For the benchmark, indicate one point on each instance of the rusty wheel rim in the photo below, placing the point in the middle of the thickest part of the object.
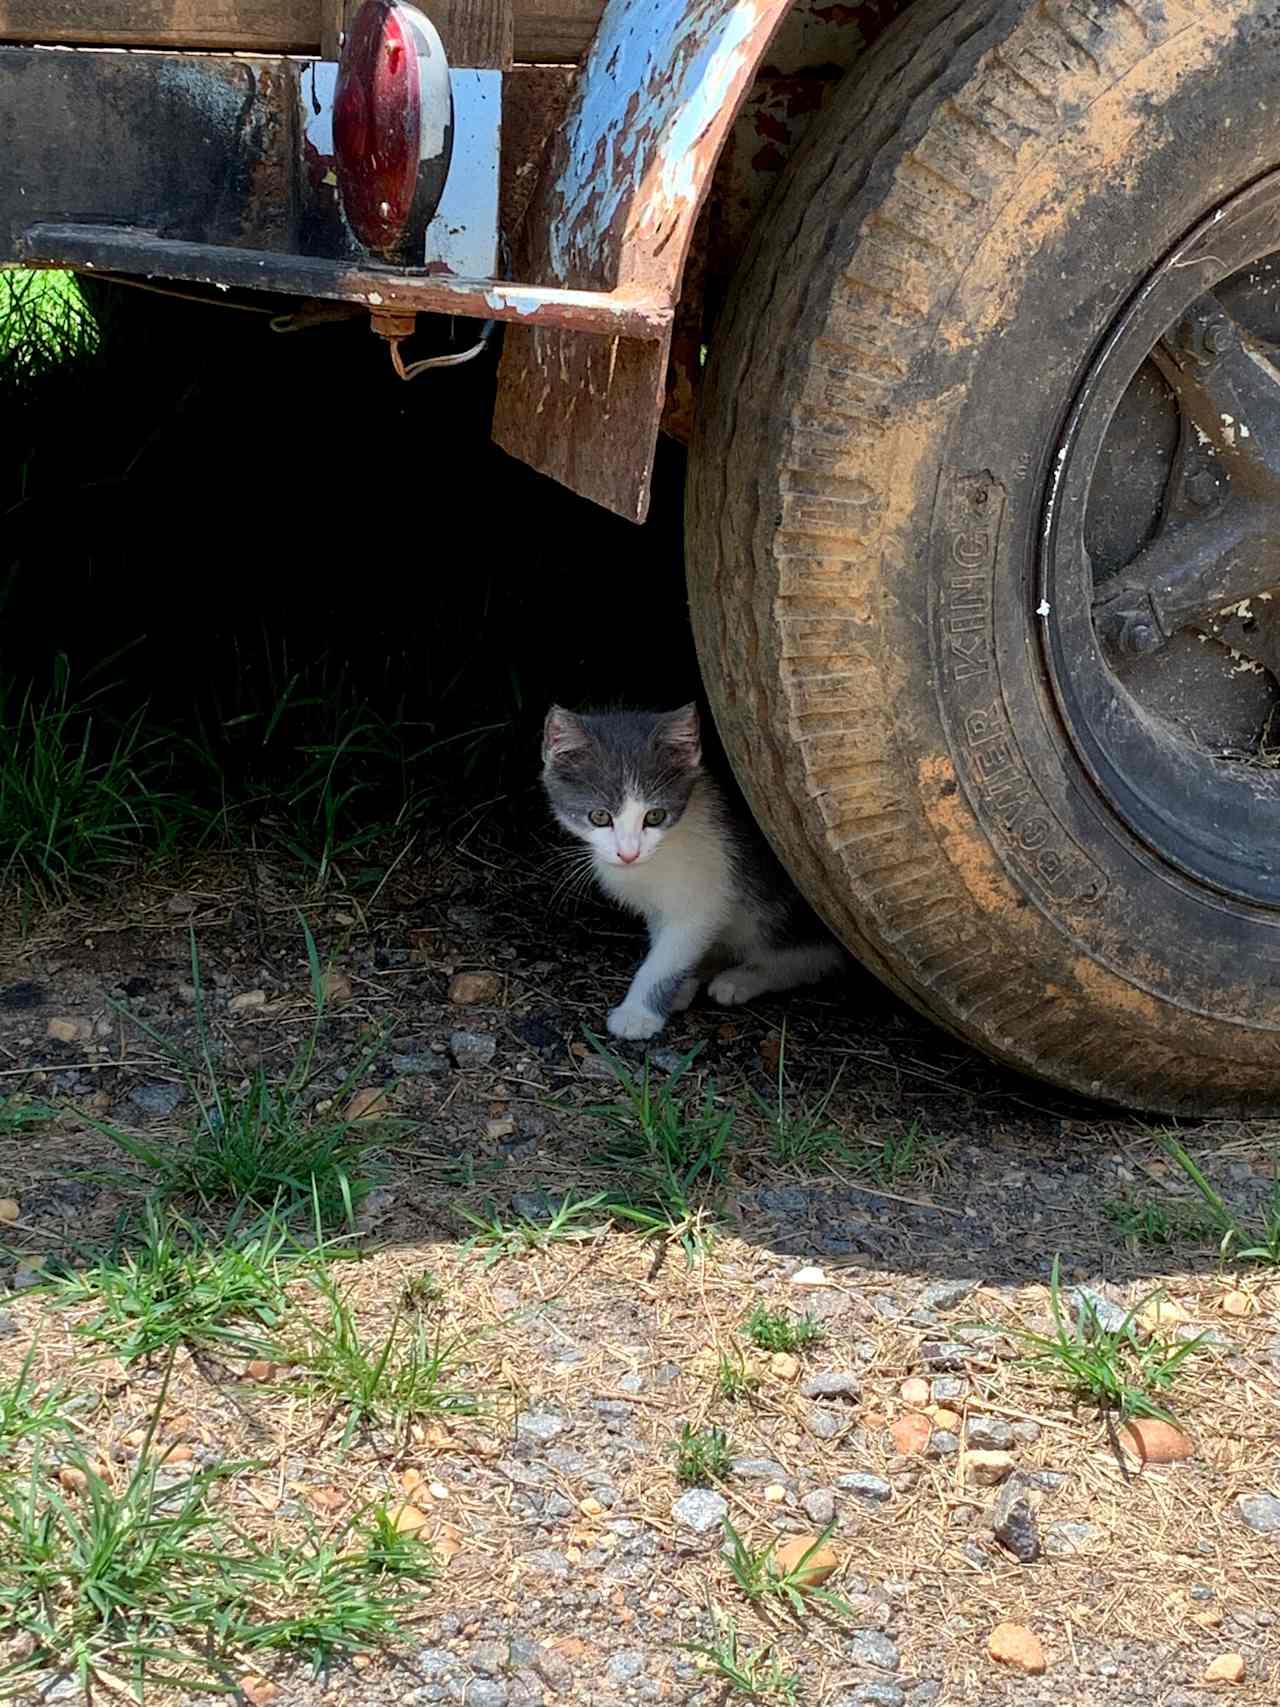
(1158, 594)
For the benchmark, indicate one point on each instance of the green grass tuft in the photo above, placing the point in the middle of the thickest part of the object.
(1114, 1368)
(172, 1286)
(702, 1456)
(779, 1330)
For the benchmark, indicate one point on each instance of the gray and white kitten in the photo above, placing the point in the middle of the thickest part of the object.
(664, 841)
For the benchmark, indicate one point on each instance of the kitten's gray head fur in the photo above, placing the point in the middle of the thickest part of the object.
(621, 780)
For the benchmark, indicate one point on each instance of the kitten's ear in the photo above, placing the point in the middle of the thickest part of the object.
(561, 733)
(680, 733)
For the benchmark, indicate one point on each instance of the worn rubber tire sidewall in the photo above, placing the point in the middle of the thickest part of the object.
(885, 393)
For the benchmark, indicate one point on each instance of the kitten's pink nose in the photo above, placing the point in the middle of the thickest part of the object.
(628, 858)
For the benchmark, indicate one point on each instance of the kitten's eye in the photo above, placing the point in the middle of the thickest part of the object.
(659, 815)
(600, 818)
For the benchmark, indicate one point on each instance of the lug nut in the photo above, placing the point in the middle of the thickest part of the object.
(1201, 488)
(1217, 337)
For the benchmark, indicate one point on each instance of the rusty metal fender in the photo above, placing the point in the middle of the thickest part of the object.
(615, 210)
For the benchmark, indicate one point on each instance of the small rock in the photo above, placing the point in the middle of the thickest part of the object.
(946, 1294)
(987, 1469)
(945, 1354)
(758, 1470)
(1238, 1304)
(988, 1434)
(548, 1562)
(486, 1692)
(1013, 1523)
(368, 1104)
(624, 1668)
(942, 1443)
(667, 1060)
(495, 1129)
(472, 1048)
(701, 1509)
(410, 1519)
(466, 988)
(246, 1001)
(258, 1369)
(819, 1506)
(1015, 1645)
(158, 1100)
(866, 1487)
(925, 1694)
(27, 1275)
(809, 1277)
(66, 1030)
(879, 1695)
(1154, 1441)
(1064, 1540)
(8, 1327)
(824, 1423)
(873, 1648)
(948, 1389)
(1110, 1317)
(1227, 1668)
(819, 1561)
(542, 1426)
(915, 1392)
(335, 986)
(1026, 1432)
(773, 1493)
(784, 1366)
(554, 1670)
(418, 1061)
(10, 1209)
(831, 1384)
(911, 1433)
(1260, 1511)
(258, 1691)
(941, 1417)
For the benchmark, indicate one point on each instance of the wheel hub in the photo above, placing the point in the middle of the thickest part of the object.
(1160, 568)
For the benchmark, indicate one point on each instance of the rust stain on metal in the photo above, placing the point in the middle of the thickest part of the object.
(615, 210)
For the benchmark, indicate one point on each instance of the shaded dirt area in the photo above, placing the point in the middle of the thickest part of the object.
(922, 1245)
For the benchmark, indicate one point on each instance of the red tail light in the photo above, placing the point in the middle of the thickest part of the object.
(392, 128)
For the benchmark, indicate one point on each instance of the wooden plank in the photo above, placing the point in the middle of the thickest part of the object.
(477, 33)
(554, 32)
(256, 26)
(550, 32)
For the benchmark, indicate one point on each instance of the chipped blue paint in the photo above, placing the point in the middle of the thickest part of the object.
(658, 74)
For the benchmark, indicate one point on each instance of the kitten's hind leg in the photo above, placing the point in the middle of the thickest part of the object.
(778, 969)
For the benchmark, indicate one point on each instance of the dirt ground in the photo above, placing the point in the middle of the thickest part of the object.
(570, 1571)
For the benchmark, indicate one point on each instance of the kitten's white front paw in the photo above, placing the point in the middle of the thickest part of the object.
(739, 984)
(634, 1022)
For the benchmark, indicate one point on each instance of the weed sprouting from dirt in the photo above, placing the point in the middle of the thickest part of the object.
(672, 1140)
(703, 1456)
(1145, 1224)
(762, 1578)
(260, 1144)
(1238, 1242)
(1115, 1368)
(898, 1156)
(406, 1375)
(756, 1674)
(735, 1378)
(75, 796)
(172, 1285)
(573, 1220)
(779, 1330)
(800, 1135)
(25, 1412)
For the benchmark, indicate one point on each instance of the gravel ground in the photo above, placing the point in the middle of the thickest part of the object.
(966, 1490)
